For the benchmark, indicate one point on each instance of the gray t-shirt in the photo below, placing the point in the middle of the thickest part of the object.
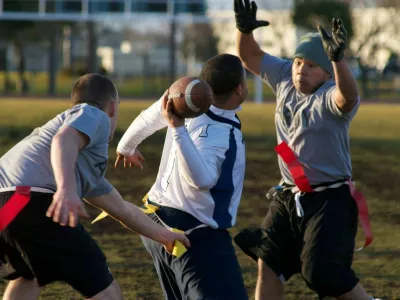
(28, 163)
(312, 125)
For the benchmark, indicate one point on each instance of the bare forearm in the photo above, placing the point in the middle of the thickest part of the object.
(246, 22)
(347, 89)
(139, 222)
(247, 46)
(64, 154)
(345, 80)
(129, 216)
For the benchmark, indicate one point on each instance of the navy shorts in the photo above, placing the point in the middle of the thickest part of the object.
(209, 270)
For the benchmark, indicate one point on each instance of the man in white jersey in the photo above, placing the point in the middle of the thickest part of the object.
(198, 186)
(48, 173)
(312, 232)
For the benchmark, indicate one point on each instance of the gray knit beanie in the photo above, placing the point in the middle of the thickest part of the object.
(311, 48)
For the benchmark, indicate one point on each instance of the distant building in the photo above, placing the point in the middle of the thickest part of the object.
(280, 38)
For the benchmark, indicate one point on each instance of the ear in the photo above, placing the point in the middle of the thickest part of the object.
(239, 89)
(111, 109)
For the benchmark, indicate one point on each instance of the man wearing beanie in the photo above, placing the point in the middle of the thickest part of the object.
(311, 224)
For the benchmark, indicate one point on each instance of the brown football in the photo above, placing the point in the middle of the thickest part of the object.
(191, 97)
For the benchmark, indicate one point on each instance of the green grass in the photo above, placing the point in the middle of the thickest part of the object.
(138, 86)
(375, 148)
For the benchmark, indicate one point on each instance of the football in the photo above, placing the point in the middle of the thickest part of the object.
(191, 97)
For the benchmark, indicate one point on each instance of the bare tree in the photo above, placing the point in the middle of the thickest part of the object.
(201, 39)
(389, 3)
(278, 32)
(377, 31)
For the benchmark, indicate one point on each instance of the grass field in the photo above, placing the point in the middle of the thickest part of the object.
(139, 87)
(375, 148)
(129, 87)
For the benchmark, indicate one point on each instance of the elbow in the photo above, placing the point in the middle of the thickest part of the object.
(352, 98)
(246, 58)
(356, 95)
(57, 139)
(248, 66)
(204, 184)
(58, 144)
(352, 95)
(243, 53)
(247, 54)
(348, 104)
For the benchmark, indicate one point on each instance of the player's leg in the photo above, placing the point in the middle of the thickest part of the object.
(22, 289)
(161, 263)
(22, 283)
(113, 291)
(357, 293)
(274, 246)
(329, 241)
(269, 286)
(83, 267)
(209, 269)
(166, 276)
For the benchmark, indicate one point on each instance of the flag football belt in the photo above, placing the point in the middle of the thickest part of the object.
(303, 185)
(152, 208)
(14, 205)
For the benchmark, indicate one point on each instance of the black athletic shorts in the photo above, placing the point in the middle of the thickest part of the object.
(36, 247)
(320, 245)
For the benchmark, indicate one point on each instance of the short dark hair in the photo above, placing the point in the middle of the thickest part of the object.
(94, 89)
(223, 73)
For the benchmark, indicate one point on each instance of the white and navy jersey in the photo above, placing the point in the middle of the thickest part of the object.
(202, 165)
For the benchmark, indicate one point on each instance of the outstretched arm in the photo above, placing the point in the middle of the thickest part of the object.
(346, 95)
(248, 49)
(134, 219)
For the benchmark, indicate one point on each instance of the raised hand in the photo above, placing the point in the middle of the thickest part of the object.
(336, 43)
(172, 119)
(245, 16)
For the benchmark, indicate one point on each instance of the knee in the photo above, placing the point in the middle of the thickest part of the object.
(112, 292)
(22, 288)
(266, 274)
(24, 283)
(115, 291)
(329, 281)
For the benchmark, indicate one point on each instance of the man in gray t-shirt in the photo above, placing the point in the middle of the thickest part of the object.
(49, 173)
(29, 162)
(309, 229)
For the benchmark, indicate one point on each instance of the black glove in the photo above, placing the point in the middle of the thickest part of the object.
(336, 44)
(245, 16)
